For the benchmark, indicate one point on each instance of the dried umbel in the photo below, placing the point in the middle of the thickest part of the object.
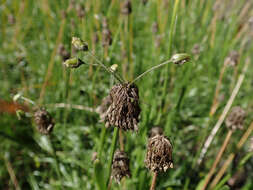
(159, 154)
(125, 109)
(120, 166)
(43, 121)
(127, 7)
(236, 118)
(232, 59)
(155, 131)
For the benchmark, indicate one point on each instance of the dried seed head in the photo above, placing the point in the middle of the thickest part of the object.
(120, 166)
(80, 10)
(43, 121)
(233, 59)
(79, 44)
(11, 19)
(127, 7)
(180, 58)
(63, 52)
(155, 28)
(236, 118)
(144, 2)
(159, 154)
(196, 49)
(106, 34)
(125, 109)
(73, 62)
(155, 131)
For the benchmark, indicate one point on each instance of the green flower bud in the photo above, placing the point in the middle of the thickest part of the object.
(180, 58)
(73, 62)
(79, 44)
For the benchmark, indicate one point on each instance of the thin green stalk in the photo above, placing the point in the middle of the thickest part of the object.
(151, 69)
(66, 95)
(102, 138)
(113, 146)
(106, 68)
(172, 28)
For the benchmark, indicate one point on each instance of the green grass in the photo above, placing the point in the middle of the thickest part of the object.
(177, 98)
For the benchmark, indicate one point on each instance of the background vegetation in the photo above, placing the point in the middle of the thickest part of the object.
(177, 98)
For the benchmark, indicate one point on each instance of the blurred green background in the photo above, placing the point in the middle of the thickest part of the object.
(186, 101)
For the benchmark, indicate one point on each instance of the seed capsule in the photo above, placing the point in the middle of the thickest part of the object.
(73, 62)
(180, 58)
(79, 44)
(236, 118)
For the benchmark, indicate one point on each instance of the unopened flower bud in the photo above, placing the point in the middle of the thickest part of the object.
(180, 58)
(73, 62)
(79, 44)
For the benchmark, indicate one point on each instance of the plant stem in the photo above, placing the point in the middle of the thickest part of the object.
(172, 28)
(224, 113)
(152, 187)
(232, 156)
(121, 140)
(102, 137)
(218, 157)
(151, 69)
(106, 68)
(113, 146)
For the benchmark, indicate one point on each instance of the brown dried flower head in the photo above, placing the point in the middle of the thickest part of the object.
(80, 10)
(43, 121)
(159, 154)
(233, 59)
(155, 131)
(124, 110)
(236, 118)
(120, 166)
(127, 7)
(63, 52)
(106, 34)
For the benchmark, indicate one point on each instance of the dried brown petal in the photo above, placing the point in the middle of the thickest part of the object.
(43, 121)
(236, 118)
(120, 166)
(125, 109)
(159, 154)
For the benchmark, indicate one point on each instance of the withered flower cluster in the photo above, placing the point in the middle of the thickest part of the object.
(125, 109)
(236, 118)
(120, 166)
(43, 121)
(159, 154)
